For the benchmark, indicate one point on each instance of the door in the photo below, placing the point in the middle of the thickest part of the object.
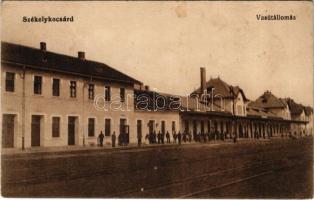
(163, 127)
(124, 131)
(8, 131)
(151, 126)
(35, 131)
(71, 130)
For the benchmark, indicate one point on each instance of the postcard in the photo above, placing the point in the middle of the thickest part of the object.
(157, 99)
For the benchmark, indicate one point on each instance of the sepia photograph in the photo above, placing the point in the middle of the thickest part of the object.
(157, 99)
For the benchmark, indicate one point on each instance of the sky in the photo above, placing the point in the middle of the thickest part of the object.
(164, 44)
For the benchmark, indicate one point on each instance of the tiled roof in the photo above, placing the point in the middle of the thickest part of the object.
(308, 110)
(193, 104)
(54, 62)
(295, 108)
(268, 100)
(260, 112)
(222, 88)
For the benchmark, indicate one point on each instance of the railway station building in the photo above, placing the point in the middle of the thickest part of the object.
(50, 99)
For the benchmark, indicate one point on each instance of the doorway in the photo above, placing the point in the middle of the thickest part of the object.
(71, 130)
(8, 131)
(35, 130)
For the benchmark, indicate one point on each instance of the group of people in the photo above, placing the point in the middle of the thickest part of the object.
(158, 138)
(122, 139)
(162, 137)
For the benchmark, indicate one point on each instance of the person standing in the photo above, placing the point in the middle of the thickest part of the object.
(168, 137)
(159, 137)
(175, 137)
(101, 138)
(190, 137)
(154, 137)
(113, 139)
(139, 139)
(179, 137)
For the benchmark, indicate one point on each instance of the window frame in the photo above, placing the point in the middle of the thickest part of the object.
(91, 127)
(107, 132)
(73, 89)
(91, 91)
(12, 81)
(122, 95)
(107, 93)
(53, 133)
(38, 85)
(56, 89)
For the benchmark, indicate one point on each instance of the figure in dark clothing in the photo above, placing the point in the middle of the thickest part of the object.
(168, 137)
(184, 137)
(139, 139)
(159, 137)
(113, 139)
(234, 138)
(154, 137)
(150, 138)
(179, 137)
(205, 135)
(175, 137)
(119, 139)
(190, 137)
(147, 137)
(101, 138)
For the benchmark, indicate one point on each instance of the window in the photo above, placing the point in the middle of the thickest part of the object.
(73, 89)
(9, 82)
(151, 125)
(163, 127)
(55, 126)
(107, 127)
(122, 94)
(91, 127)
(173, 126)
(91, 91)
(37, 84)
(139, 127)
(107, 93)
(56, 87)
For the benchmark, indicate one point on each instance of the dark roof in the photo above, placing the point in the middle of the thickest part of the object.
(268, 100)
(308, 110)
(295, 108)
(255, 111)
(222, 88)
(49, 61)
(147, 100)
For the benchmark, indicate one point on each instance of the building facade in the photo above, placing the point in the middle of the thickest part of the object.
(49, 99)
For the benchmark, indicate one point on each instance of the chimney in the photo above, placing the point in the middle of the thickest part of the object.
(81, 55)
(203, 79)
(146, 87)
(43, 46)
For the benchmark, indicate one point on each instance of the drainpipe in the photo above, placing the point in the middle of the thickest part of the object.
(23, 110)
(83, 117)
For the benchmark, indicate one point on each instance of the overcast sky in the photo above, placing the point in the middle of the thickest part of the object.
(163, 44)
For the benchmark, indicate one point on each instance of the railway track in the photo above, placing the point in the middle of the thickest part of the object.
(35, 175)
(160, 190)
(214, 170)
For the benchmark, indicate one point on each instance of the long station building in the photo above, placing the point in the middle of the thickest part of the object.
(50, 99)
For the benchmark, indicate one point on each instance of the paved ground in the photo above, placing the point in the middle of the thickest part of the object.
(254, 169)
